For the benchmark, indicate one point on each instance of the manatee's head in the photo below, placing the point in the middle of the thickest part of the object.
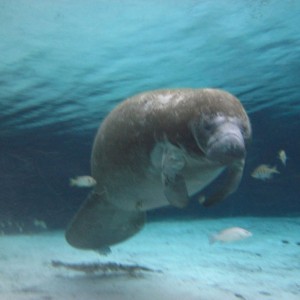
(222, 138)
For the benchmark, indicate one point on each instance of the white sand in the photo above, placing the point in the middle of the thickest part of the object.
(260, 267)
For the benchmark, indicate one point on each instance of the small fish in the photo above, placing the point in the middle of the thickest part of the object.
(282, 156)
(40, 223)
(201, 199)
(264, 172)
(83, 181)
(230, 235)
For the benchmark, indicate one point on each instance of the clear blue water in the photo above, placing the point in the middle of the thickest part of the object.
(65, 64)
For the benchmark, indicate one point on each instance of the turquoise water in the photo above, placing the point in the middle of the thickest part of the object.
(65, 64)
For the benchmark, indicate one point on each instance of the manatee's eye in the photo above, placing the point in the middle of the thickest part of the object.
(209, 126)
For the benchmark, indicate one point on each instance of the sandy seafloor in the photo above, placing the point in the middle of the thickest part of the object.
(264, 266)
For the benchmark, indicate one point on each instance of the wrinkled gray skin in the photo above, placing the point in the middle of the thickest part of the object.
(156, 149)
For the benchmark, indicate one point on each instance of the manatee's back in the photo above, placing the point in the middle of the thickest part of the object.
(130, 131)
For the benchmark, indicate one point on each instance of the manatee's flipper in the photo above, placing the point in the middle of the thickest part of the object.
(175, 190)
(99, 224)
(174, 184)
(232, 181)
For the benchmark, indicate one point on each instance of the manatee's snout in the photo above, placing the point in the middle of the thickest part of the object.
(226, 145)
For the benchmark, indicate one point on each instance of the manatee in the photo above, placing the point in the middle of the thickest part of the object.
(155, 149)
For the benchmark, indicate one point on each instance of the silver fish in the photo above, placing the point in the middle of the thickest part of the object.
(282, 156)
(230, 235)
(264, 172)
(83, 181)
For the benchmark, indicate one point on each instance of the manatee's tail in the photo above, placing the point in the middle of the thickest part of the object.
(98, 224)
